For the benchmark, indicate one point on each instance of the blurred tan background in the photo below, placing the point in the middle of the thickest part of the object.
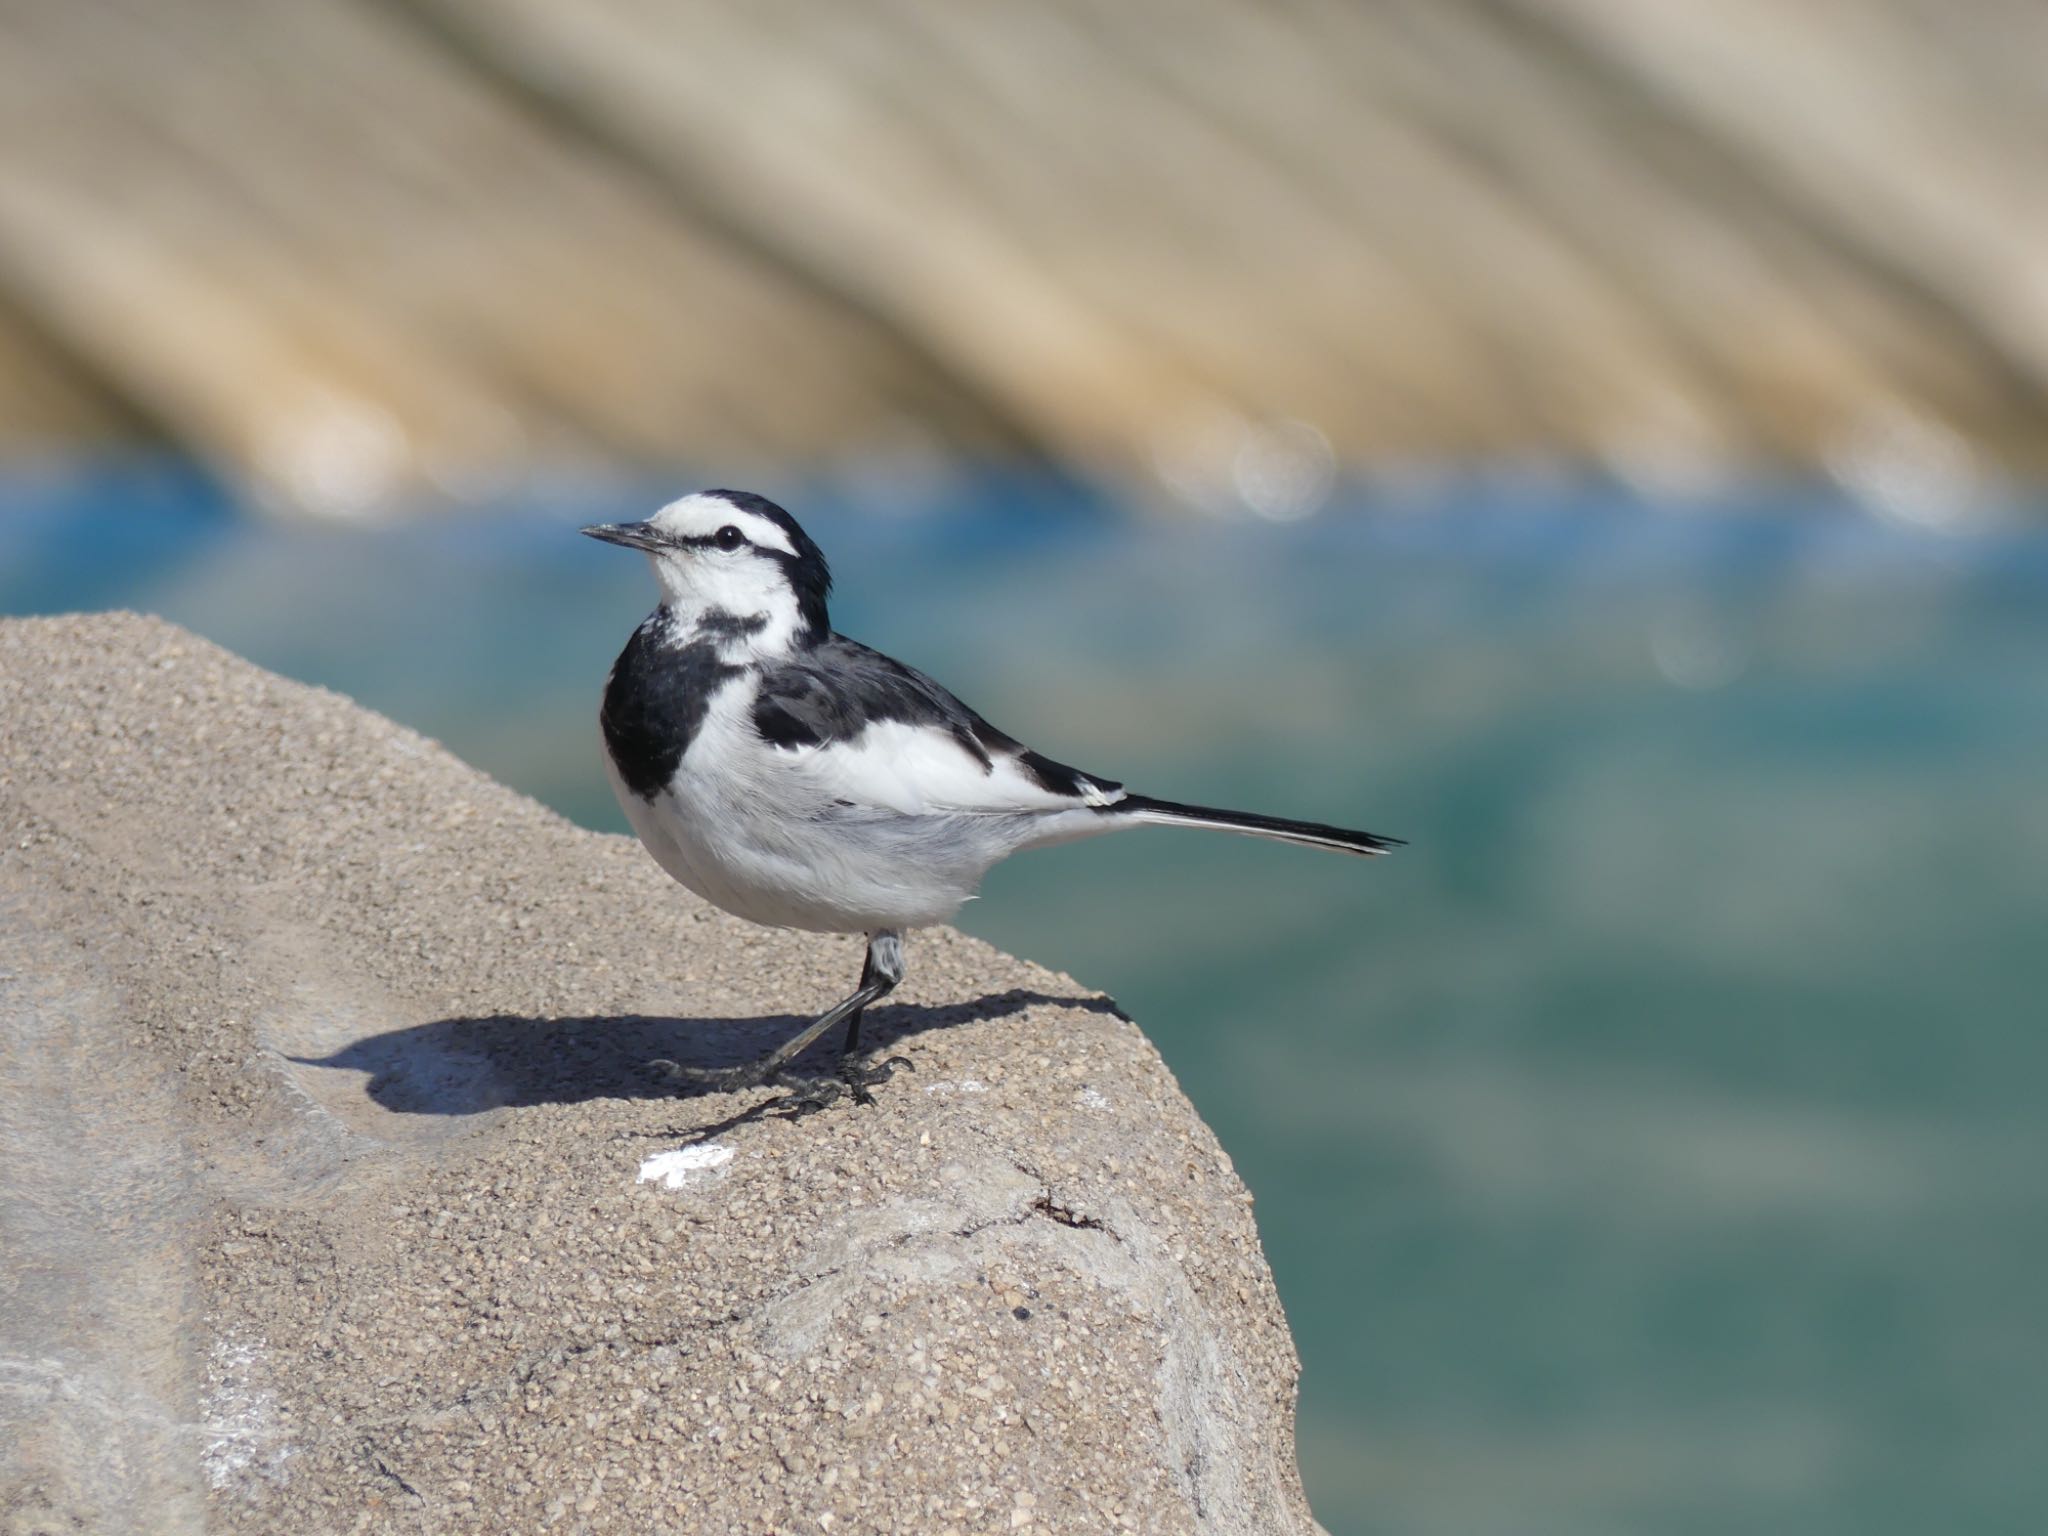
(354, 252)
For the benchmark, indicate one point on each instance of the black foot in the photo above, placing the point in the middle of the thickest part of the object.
(853, 1080)
(859, 1079)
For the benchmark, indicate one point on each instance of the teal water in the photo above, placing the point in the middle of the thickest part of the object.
(1657, 1145)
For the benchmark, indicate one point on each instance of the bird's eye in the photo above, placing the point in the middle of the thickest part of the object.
(728, 537)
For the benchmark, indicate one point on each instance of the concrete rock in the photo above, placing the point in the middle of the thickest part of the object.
(340, 1196)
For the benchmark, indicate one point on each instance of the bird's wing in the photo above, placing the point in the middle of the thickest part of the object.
(878, 734)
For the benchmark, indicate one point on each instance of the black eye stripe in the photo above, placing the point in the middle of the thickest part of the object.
(727, 537)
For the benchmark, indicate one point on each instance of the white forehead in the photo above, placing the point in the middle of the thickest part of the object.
(698, 515)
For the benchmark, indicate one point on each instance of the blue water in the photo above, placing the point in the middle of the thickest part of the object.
(1657, 1145)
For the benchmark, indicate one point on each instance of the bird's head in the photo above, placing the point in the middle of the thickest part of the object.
(736, 559)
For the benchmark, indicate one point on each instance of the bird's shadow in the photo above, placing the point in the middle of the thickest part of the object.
(467, 1066)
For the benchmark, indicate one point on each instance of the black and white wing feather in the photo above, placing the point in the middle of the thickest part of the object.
(881, 735)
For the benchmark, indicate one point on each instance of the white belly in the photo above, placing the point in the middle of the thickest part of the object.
(772, 846)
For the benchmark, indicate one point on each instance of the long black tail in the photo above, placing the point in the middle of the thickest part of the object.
(1310, 834)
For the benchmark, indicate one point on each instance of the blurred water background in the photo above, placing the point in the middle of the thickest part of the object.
(1655, 1145)
(1599, 440)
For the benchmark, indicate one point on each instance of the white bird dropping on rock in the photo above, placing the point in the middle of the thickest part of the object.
(676, 1168)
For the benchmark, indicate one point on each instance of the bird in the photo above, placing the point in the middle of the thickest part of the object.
(799, 779)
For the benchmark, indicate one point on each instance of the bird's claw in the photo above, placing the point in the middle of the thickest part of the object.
(859, 1079)
(854, 1080)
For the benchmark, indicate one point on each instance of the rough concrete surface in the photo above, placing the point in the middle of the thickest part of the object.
(325, 1110)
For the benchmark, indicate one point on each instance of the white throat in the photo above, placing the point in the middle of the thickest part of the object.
(744, 620)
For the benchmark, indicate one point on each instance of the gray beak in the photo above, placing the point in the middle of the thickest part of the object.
(632, 535)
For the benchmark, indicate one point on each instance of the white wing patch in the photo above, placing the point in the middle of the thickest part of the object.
(1093, 793)
(916, 770)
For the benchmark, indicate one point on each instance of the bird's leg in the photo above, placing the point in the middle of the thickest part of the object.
(884, 968)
